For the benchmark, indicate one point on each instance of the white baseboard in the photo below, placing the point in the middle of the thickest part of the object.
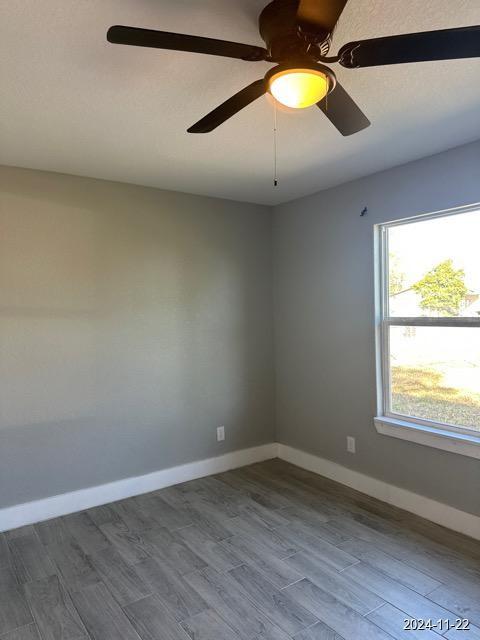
(437, 512)
(47, 508)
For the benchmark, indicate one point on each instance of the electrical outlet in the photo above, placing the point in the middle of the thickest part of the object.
(351, 448)
(220, 434)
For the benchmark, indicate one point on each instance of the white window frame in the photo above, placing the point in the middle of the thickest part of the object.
(428, 432)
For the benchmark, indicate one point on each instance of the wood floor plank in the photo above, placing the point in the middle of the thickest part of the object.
(174, 496)
(460, 601)
(448, 538)
(53, 610)
(411, 602)
(431, 561)
(5, 557)
(205, 507)
(86, 533)
(273, 540)
(251, 552)
(130, 543)
(447, 543)
(75, 568)
(103, 514)
(213, 485)
(328, 553)
(306, 515)
(166, 515)
(392, 620)
(8, 579)
(297, 491)
(332, 534)
(275, 604)
(270, 631)
(102, 615)
(211, 510)
(262, 495)
(191, 487)
(444, 574)
(121, 578)
(376, 520)
(396, 569)
(221, 506)
(14, 611)
(20, 532)
(345, 621)
(270, 518)
(171, 547)
(312, 481)
(153, 621)
(29, 632)
(315, 523)
(454, 566)
(130, 513)
(208, 626)
(277, 485)
(222, 594)
(356, 530)
(30, 560)
(351, 593)
(463, 563)
(321, 529)
(178, 596)
(211, 523)
(53, 531)
(216, 554)
(473, 633)
(319, 631)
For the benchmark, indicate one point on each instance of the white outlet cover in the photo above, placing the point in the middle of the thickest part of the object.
(220, 434)
(351, 444)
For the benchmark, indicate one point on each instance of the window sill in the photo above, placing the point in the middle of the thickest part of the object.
(462, 444)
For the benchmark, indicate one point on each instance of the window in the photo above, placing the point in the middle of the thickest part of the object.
(428, 328)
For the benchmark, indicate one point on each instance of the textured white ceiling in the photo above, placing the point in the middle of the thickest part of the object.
(71, 102)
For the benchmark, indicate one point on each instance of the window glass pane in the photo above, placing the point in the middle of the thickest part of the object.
(434, 267)
(435, 374)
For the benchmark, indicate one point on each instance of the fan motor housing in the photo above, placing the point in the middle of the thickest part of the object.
(284, 36)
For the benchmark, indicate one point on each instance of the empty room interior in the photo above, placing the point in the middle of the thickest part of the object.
(240, 320)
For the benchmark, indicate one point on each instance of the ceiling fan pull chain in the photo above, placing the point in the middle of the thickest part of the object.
(275, 176)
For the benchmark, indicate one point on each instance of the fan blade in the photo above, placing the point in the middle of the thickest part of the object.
(447, 44)
(179, 42)
(229, 108)
(321, 14)
(343, 112)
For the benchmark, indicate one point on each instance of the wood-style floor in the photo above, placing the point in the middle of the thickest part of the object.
(267, 552)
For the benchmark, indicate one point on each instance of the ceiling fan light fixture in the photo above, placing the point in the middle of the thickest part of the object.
(299, 87)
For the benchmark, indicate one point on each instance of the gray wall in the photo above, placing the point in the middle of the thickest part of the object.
(133, 322)
(324, 305)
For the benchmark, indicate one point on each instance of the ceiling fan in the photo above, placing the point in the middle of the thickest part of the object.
(298, 34)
